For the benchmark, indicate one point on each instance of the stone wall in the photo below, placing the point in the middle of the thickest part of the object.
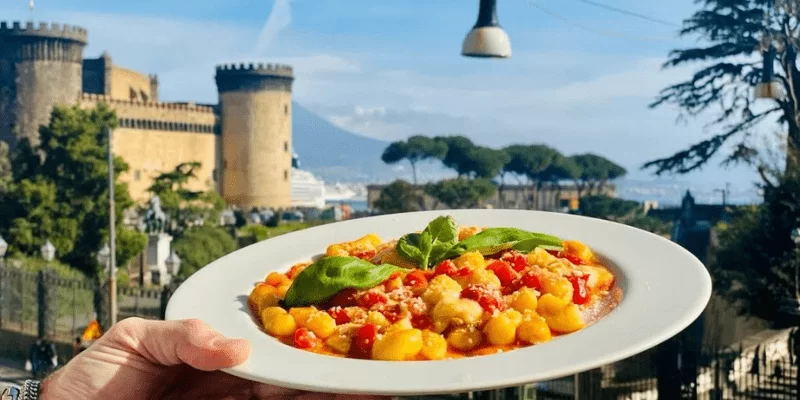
(255, 111)
(129, 85)
(156, 137)
(37, 93)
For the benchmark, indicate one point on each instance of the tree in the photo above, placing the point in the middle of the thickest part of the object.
(461, 193)
(59, 191)
(531, 162)
(733, 30)
(754, 265)
(595, 171)
(456, 156)
(186, 207)
(397, 197)
(485, 162)
(201, 245)
(627, 212)
(5, 168)
(416, 148)
(601, 206)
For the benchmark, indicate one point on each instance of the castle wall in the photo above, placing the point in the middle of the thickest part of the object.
(150, 152)
(129, 85)
(256, 145)
(97, 75)
(255, 111)
(155, 137)
(37, 95)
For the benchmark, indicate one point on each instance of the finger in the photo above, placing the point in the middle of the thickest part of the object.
(189, 342)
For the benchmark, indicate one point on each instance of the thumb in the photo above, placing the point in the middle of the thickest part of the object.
(168, 343)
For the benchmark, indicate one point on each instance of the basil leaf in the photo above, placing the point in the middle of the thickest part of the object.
(493, 240)
(439, 236)
(547, 243)
(330, 275)
(408, 247)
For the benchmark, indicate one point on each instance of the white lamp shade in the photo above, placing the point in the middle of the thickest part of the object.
(48, 251)
(104, 255)
(3, 247)
(173, 263)
(488, 42)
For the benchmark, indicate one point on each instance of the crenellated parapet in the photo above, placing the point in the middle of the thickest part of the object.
(254, 77)
(53, 31)
(99, 98)
(53, 42)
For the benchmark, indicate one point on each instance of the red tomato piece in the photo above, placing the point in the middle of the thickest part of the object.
(372, 298)
(489, 299)
(421, 321)
(365, 337)
(393, 313)
(365, 255)
(345, 298)
(339, 315)
(580, 294)
(304, 339)
(531, 280)
(503, 271)
(517, 260)
(570, 257)
(446, 267)
(415, 278)
(573, 258)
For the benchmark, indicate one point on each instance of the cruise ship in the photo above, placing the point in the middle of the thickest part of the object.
(307, 191)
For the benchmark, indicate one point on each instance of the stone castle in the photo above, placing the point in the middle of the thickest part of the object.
(244, 142)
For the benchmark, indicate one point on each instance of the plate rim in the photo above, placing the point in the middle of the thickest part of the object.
(468, 381)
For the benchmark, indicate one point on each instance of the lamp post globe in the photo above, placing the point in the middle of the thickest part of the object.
(173, 263)
(3, 247)
(487, 39)
(48, 251)
(104, 255)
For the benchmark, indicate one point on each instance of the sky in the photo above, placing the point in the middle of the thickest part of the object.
(580, 78)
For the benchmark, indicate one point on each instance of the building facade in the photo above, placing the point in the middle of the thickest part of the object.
(243, 142)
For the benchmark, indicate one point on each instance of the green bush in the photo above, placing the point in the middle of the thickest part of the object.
(199, 246)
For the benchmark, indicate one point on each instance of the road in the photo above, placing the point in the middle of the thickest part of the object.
(12, 371)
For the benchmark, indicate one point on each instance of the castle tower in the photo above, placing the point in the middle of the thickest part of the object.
(255, 104)
(40, 66)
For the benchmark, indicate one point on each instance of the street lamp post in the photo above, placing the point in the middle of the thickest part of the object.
(43, 295)
(112, 234)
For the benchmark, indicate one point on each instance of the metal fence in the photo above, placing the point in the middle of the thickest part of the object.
(44, 303)
(33, 303)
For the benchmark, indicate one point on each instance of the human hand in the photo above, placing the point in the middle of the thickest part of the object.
(164, 360)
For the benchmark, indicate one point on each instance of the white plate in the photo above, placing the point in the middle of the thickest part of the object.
(664, 287)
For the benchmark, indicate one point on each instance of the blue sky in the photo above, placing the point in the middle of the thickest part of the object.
(389, 69)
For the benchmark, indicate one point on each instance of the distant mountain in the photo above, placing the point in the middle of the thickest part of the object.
(335, 154)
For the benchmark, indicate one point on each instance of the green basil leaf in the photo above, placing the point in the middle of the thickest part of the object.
(408, 247)
(438, 237)
(546, 242)
(330, 275)
(493, 240)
